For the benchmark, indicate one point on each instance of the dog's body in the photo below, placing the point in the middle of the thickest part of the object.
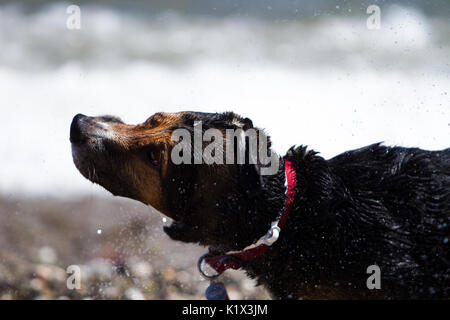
(372, 206)
(378, 205)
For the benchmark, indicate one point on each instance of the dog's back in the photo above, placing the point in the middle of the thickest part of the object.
(397, 210)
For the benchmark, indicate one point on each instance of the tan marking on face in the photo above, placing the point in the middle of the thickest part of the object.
(127, 171)
(155, 132)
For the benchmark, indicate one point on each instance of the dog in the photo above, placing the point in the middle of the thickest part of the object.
(379, 208)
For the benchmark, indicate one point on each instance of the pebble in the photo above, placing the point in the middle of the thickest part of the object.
(142, 269)
(134, 294)
(169, 274)
(50, 273)
(47, 255)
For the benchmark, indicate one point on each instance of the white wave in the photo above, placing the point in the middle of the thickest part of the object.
(330, 84)
(109, 38)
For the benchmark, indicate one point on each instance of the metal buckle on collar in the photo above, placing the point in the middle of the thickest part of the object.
(273, 234)
(268, 239)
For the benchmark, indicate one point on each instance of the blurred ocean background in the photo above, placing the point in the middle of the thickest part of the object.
(310, 72)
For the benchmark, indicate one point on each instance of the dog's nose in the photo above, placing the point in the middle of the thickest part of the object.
(77, 134)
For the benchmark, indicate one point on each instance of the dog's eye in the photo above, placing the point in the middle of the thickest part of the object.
(153, 157)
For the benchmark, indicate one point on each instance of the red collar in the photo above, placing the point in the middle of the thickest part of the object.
(220, 262)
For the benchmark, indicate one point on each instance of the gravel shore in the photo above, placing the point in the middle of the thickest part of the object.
(117, 244)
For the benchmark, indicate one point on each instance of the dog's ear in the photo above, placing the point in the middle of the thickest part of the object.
(248, 124)
(249, 178)
(249, 172)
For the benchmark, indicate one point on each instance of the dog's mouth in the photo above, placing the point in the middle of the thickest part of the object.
(85, 163)
(97, 154)
(181, 231)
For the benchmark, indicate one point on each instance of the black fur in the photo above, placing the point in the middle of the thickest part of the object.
(375, 205)
(388, 206)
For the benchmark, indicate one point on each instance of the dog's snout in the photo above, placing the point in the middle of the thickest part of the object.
(77, 134)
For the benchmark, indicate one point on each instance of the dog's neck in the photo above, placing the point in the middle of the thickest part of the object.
(235, 259)
(247, 208)
(244, 211)
(269, 204)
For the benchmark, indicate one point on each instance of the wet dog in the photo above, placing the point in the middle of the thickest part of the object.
(381, 206)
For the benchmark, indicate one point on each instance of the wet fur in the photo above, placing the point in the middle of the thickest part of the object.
(388, 206)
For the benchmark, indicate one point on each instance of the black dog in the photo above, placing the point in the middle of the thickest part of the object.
(378, 205)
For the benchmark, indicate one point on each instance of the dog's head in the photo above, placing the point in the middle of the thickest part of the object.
(197, 168)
